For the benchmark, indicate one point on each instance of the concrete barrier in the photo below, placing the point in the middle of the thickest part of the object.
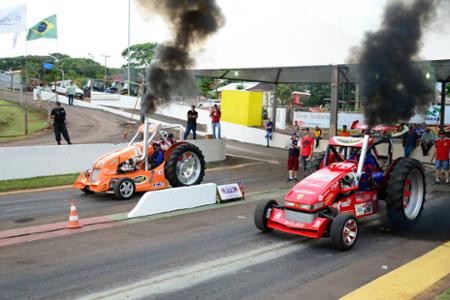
(27, 162)
(156, 202)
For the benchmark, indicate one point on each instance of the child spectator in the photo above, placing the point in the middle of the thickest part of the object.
(317, 135)
(293, 155)
(427, 141)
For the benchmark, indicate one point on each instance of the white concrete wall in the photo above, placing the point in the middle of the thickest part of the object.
(26, 162)
(213, 150)
(179, 111)
(116, 100)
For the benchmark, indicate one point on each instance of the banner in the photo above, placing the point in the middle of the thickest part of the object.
(45, 29)
(13, 19)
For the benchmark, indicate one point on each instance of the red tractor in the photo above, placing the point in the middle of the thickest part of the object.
(350, 179)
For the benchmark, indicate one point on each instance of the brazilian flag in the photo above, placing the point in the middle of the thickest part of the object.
(45, 29)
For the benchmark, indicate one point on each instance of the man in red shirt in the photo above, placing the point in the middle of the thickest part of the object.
(442, 151)
(307, 147)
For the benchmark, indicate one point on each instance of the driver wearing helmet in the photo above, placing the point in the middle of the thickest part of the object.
(157, 156)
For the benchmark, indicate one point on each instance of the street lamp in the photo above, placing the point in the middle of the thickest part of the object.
(91, 56)
(61, 70)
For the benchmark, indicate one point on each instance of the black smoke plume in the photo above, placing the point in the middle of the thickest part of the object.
(191, 22)
(392, 86)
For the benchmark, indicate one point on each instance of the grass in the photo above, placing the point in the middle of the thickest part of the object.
(12, 120)
(37, 182)
(444, 296)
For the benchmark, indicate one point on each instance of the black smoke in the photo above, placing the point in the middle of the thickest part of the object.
(393, 87)
(192, 22)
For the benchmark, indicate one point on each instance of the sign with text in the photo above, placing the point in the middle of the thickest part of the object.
(229, 191)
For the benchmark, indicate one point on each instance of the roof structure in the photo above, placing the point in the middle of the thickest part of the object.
(311, 74)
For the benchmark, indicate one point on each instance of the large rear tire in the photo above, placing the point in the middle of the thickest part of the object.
(261, 214)
(314, 163)
(405, 194)
(185, 166)
(344, 231)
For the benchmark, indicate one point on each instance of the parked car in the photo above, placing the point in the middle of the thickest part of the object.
(61, 88)
(208, 103)
(94, 84)
(121, 87)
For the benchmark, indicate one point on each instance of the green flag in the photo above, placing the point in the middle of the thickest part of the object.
(45, 29)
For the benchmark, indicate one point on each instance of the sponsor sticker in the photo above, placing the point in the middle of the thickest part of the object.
(140, 179)
(311, 184)
(363, 209)
(305, 192)
(158, 184)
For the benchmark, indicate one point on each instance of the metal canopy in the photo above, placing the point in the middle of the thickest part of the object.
(310, 74)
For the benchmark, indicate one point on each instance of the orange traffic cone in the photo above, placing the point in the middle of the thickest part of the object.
(73, 218)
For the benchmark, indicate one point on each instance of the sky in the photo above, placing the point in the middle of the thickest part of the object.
(257, 33)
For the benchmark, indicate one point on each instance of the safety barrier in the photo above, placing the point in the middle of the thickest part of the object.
(171, 199)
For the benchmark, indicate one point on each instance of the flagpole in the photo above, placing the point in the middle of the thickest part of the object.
(21, 86)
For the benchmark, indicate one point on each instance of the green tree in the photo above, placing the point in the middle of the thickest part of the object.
(140, 54)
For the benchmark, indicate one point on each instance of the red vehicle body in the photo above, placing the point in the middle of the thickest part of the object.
(344, 189)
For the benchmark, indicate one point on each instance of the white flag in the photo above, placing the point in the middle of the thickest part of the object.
(13, 19)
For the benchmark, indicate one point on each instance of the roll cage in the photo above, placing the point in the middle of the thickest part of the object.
(344, 152)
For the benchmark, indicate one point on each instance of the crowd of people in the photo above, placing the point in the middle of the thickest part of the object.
(300, 150)
(425, 138)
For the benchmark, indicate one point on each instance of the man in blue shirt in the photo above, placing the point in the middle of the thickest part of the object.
(269, 126)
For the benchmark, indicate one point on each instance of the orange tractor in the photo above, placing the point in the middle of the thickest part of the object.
(152, 164)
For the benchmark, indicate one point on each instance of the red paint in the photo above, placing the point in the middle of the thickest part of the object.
(47, 231)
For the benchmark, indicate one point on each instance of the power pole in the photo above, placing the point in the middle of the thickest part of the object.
(106, 60)
(129, 69)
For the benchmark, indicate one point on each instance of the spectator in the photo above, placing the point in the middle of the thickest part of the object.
(58, 115)
(293, 155)
(442, 151)
(192, 116)
(39, 91)
(317, 135)
(70, 93)
(296, 128)
(344, 131)
(410, 141)
(215, 121)
(427, 141)
(269, 126)
(307, 147)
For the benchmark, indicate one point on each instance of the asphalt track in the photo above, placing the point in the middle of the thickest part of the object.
(208, 253)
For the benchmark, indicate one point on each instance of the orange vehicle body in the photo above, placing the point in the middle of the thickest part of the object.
(104, 171)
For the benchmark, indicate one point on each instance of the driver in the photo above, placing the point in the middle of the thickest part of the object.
(157, 156)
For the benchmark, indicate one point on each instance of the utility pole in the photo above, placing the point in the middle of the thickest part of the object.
(128, 56)
(106, 60)
(334, 100)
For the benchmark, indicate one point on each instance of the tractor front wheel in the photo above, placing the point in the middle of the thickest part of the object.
(262, 214)
(344, 231)
(124, 189)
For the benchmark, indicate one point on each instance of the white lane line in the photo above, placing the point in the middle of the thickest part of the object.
(270, 161)
(192, 275)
